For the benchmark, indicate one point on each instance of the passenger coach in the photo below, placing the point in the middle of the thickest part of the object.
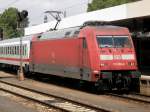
(10, 51)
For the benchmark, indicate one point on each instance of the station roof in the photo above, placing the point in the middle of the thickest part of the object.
(121, 12)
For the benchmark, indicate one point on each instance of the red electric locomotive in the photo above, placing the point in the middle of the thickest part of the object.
(103, 55)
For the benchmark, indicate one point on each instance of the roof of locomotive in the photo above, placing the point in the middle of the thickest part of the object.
(25, 38)
(63, 33)
(73, 32)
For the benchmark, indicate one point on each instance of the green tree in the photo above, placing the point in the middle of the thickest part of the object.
(9, 23)
(100, 4)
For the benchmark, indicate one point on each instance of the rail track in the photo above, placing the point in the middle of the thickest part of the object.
(57, 102)
(133, 97)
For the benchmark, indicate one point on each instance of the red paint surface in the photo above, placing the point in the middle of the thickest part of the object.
(69, 51)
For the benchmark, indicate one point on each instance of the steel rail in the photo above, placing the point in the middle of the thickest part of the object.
(93, 107)
(148, 96)
(128, 97)
(33, 99)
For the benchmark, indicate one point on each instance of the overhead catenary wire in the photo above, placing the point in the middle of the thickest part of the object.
(63, 10)
(74, 5)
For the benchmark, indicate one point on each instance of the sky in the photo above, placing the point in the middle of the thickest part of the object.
(36, 8)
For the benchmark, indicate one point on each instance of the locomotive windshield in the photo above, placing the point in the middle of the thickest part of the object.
(113, 41)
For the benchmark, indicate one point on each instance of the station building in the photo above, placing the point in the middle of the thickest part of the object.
(135, 16)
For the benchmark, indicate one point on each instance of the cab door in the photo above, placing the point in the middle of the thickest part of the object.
(84, 60)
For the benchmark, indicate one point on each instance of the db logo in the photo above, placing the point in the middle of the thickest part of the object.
(117, 56)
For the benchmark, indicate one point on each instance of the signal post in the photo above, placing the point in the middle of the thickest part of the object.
(21, 16)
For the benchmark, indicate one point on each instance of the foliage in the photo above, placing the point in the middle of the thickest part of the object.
(9, 23)
(100, 4)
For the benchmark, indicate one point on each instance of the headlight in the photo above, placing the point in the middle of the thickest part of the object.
(131, 63)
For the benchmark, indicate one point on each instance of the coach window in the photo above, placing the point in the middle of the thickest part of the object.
(17, 50)
(2, 50)
(23, 50)
(8, 50)
(5, 50)
(84, 43)
(12, 50)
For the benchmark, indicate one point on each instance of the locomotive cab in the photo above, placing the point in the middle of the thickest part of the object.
(116, 53)
(114, 61)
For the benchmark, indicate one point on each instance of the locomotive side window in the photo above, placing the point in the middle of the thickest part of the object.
(84, 43)
(67, 34)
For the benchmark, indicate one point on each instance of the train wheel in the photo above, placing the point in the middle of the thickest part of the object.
(103, 86)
